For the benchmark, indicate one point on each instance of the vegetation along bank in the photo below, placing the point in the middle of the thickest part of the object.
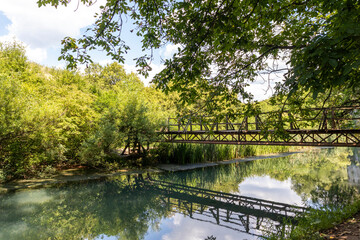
(52, 119)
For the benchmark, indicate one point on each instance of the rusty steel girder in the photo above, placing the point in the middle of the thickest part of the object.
(339, 138)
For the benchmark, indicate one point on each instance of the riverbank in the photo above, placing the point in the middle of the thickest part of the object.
(83, 174)
(342, 224)
(349, 229)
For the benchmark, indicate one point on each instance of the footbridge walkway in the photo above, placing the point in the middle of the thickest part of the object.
(337, 126)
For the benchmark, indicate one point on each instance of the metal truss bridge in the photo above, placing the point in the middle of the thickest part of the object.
(337, 126)
(240, 213)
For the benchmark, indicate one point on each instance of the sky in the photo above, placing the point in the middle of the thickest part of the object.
(42, 29)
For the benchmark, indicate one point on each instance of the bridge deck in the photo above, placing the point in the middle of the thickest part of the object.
(294, 131)
(306, 137)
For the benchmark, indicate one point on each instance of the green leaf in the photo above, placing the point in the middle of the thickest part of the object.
(333, 62)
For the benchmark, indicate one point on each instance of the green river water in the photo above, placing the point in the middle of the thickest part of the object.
(123, 207)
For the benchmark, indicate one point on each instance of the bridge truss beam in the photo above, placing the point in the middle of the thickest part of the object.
(338, 138)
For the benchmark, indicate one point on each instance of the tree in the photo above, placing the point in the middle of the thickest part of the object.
(129, 114)
(45, 114)
(228, 43)
(53, 118)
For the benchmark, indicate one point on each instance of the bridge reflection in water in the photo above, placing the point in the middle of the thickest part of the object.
(249, 215)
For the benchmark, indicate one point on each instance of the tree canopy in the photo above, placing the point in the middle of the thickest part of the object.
(224, 45)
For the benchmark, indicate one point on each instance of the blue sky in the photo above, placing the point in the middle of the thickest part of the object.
(42, 29)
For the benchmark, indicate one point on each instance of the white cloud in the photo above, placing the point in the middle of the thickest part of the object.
(169, 50)
(192, 229)
(265, 82)
(105, 62)
(36, 54)
(45, 27)
(186, 231)
(8, 38)
(261, 90)
(177, 219)
(156, 68)
(269, 189)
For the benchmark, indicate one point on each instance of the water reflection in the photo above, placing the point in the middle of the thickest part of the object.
(353, 169)
(237, 201)
(265, 187)
(239, 213)
(131, 209)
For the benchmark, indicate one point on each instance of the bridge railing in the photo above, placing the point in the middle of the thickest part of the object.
(239, 213)
(215, 197)
(315, 118)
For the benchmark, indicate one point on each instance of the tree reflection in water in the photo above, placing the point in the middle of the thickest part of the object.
(119, 207)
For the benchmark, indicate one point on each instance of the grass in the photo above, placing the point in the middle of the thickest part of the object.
(325, 217)
(185, 153)
(310, 225)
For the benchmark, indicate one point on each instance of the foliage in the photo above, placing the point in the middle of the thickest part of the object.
(130, 113)
(225, 44)
(53, 118)
(319, 219)
(25, 141)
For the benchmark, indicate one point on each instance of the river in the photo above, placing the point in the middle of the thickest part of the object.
(243, 200)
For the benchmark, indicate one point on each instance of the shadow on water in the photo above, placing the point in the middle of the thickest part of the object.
(128, 207)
